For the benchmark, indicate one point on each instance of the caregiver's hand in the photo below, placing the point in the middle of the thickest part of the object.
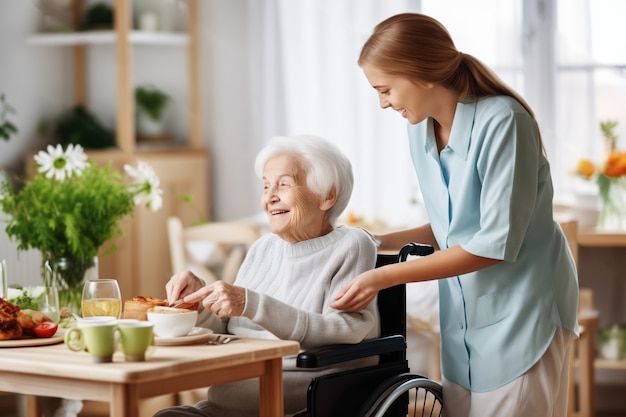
(359, 292)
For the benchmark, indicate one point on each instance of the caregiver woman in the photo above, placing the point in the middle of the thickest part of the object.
(507, 280)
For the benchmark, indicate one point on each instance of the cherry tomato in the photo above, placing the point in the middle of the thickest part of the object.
(46, 329)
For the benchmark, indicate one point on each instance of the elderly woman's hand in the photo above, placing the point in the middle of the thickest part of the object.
(223, 299)
(181, 285)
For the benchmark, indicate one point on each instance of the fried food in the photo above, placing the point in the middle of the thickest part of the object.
(9, 325)
(29, 319)
(16, 323)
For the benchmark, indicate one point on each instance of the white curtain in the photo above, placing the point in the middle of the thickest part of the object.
(592, 79)
(311, 84)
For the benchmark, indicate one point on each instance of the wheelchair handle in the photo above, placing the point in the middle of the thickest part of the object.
(415, 249)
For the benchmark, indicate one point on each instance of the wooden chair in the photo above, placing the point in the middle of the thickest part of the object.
(212, 250)
(581, 384)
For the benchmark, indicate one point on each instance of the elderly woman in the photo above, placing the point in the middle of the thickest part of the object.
(289, 277)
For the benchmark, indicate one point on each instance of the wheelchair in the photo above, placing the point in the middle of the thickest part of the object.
(387, 389)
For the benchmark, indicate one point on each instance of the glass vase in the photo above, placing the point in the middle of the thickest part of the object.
(613, 211)
(68, 276)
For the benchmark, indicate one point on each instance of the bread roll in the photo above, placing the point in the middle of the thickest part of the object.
(137, 307)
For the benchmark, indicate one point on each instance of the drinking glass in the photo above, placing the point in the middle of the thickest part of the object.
(45, 299)
(101, 297)
(3, 279)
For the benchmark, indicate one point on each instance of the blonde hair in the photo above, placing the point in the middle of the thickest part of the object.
(418, 47)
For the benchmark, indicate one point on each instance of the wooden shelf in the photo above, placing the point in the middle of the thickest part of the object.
(601, 238)
(109, 37)
(142, 262)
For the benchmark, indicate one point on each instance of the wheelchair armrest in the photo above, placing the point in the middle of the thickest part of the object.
(333, 354)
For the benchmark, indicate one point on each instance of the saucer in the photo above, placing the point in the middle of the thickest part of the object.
(196, 335)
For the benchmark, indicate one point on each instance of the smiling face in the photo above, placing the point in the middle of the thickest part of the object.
(410, 99)
(294, 212)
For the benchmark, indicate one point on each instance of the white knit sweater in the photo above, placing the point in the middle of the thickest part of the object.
(289, 288)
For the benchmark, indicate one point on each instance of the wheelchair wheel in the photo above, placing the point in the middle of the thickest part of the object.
(407, 395)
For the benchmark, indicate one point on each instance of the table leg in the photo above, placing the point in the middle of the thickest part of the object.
(124, 401)
(271, 390)
(32, 408)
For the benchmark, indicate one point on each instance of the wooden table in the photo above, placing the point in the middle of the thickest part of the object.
(58, 372)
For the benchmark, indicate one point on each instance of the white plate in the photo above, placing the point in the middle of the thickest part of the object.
(196, 335)
(33, 341)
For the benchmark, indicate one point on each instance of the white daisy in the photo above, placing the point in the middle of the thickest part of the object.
(76, 158)
(146, 185)
(61, 164)
(52, 163)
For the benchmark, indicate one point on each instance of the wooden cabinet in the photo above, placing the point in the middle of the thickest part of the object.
(601, 260)
(141, 262)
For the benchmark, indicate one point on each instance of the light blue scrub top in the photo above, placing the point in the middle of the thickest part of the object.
(490, 191)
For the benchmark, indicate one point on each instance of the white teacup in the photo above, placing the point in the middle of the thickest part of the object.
(172, 322)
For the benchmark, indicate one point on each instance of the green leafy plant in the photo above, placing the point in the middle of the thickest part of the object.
(6, 127)
(72, 207)
(79, 127)
(24, 301)
(100, 15)
(151, 100)
(188, 199)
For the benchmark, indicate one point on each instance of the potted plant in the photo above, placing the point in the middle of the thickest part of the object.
(98, 17)
(7, 128)
(151, 104)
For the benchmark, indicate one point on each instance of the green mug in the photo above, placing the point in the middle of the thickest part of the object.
(135, 337)
(98, 338)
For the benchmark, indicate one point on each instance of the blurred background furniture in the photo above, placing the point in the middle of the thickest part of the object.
(213, 250)
(123, 55)
(581, 385)
(422, 330)
(581, 398)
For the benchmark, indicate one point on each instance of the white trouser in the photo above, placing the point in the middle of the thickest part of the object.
(540, 392)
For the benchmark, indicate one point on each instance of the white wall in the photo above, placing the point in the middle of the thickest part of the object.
(37, 81)
(229, 107)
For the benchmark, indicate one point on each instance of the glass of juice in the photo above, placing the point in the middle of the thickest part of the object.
(101, 297)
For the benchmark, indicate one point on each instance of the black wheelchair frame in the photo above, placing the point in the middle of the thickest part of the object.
(386, 389)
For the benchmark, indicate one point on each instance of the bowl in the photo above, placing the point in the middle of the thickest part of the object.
(172, 322)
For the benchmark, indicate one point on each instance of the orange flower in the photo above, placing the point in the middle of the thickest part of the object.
(586, 168)
(352, 219)
(615, 165)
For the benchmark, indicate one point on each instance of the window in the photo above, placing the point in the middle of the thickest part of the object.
(567, 58)
(591, 77)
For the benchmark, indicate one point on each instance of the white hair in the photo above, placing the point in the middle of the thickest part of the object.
(325, 165)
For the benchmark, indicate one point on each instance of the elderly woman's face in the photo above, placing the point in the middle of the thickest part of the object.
(294, 212)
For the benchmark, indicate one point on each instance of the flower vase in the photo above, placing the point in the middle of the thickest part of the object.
(69, 276)
(613, 212)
